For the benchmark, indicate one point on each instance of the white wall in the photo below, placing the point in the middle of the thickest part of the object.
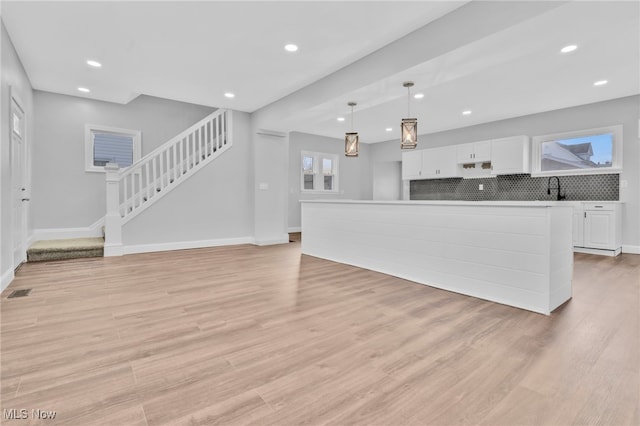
(387, 180)
(215, 206)
(354, 175)
(271, 156)
(64, 195)
(625, 111)
(14, 76)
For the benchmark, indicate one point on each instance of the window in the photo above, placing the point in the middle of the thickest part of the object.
(110, 145)
(319, 172)
(589, 151)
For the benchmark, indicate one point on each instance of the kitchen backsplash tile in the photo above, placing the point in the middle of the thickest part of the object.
(520, 187)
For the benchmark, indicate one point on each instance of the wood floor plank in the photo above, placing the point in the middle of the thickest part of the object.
(265, 335)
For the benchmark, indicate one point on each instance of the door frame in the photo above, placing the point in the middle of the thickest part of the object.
(14, 96)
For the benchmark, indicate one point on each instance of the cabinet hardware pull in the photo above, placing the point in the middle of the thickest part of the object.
(598, 207)
(585, 215)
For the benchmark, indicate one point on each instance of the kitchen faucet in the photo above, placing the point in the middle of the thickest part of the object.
(559, 196)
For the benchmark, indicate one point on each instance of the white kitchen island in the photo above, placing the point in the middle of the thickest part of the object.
(516, 253)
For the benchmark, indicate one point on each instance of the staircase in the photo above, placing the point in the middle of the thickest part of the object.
(132, 190)
(52, 250)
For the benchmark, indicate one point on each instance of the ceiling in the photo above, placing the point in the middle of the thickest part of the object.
(197, 51)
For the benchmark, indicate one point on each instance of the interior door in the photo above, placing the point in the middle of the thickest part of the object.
(18, 187)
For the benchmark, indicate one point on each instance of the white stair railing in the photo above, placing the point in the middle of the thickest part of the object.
(135, 188)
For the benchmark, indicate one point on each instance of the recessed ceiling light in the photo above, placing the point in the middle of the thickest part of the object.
(388, 129)
(229, 95)
(569, 48)
(340, 118)
(84, 89)
(419, 95)
(600, 83)
(467, 112)
(291, 48)
(94, 64)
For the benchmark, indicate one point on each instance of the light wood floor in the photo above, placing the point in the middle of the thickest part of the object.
(263, 335)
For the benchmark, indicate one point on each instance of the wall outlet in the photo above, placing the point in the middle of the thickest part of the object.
(263, 186)
(624, 183)
(481, 186)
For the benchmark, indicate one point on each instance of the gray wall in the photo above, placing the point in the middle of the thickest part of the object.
(354, 180)
(215, 203)
(64, 195)
(13, 75)
(625, 111)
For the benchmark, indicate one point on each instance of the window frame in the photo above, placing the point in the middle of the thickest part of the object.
(616, 155)
(90, 129)
(318, 175)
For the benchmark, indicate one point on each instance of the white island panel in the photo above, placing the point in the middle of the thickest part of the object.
(516, 254)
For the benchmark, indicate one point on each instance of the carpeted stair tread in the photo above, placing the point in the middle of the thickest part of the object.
(65, 249)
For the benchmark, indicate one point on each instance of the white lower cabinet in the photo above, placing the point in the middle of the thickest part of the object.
(597, 228)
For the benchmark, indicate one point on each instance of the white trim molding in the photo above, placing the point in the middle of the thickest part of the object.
(600, 252)
(629, 249)
(93, 230)
(7, 278)
(282, 240)
(185, 245)
(294, 229)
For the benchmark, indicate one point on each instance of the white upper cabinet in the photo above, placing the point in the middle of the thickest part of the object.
(507, 156)
(476, 152)
(440, 163)
(412, 165)
(434, 163)
(510, 155)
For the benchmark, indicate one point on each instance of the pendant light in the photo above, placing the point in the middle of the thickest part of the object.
(351, 139)
(409, 126)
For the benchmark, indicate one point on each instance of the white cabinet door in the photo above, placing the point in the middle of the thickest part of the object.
(482, 151)
(412, 165)
(476, 152)
(510, 155)
(464, 153)
(440, 163)
(599, 229)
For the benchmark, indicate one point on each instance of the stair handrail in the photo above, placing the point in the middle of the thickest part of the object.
(172, 141)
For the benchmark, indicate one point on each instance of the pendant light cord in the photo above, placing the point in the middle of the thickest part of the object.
(351, 118)
(408, 101)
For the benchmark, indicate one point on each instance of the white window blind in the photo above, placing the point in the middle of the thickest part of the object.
(110, 145)
(112, 148)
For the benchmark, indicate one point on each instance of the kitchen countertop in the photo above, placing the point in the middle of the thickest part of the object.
(449, 203)
(569, 203)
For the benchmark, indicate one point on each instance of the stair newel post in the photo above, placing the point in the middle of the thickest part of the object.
(113, 220)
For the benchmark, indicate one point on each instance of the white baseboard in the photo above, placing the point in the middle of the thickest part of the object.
(282, 240)
(6, 279)
(111, 250)
(295, 229)
(601, 252)
(630, 249)
(183, 245)
(93, 230)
